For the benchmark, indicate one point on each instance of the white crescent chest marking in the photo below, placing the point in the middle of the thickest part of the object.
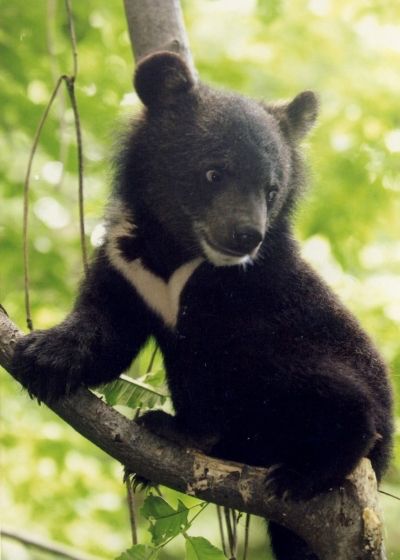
(162, 297)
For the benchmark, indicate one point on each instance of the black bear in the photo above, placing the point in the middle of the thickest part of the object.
(264, 364)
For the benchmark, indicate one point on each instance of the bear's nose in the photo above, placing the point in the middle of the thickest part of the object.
(245, 238)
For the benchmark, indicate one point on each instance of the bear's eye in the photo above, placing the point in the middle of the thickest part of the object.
(214, 176)
(272, 195)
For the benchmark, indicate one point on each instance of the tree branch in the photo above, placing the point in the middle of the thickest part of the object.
(340, 525)
(55, 549)
(157, 25)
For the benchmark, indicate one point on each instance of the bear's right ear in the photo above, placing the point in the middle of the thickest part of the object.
(297, 117)
(160, 77)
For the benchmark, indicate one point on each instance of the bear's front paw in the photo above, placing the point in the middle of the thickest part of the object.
(288, 483)
(45, 364)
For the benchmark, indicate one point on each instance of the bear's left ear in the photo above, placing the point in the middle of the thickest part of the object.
(160, 77)
(298, 116)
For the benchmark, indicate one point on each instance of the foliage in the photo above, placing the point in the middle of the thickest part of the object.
(165, 522)
(198, 548)
(139, 552)
(58, 485)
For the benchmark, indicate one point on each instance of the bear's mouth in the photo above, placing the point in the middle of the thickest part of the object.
(222, 256)
(223, 250)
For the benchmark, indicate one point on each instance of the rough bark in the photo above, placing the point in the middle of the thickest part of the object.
(340, 525)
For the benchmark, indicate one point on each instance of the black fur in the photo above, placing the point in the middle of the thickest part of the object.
(265, 365)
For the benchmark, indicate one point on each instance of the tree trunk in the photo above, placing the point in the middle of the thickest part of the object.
(157, 25)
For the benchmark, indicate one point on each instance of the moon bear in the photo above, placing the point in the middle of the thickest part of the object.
(264, 364)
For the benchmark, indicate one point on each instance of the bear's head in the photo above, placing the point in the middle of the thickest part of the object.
(216, 170)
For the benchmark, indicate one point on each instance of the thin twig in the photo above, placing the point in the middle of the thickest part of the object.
(389, 494)
(70, 83)
(50, 38)
(202, 508)
(229, 530)
(55, 549)
(153, 357)
(72, 36)
(26, 199)
(235, 519)
(246, 536)
(221, 529)
(55, 71)
(132, 509)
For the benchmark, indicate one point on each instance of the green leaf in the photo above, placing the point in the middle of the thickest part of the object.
(155, 378)
(199, 548)
(139, 552)
(165, 521)
(133, 393)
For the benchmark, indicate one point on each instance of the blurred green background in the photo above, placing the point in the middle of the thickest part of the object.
(55, 484)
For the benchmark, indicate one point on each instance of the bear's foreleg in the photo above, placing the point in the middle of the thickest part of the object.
(93, 345)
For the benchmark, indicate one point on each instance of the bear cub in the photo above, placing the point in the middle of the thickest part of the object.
(264, 364)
